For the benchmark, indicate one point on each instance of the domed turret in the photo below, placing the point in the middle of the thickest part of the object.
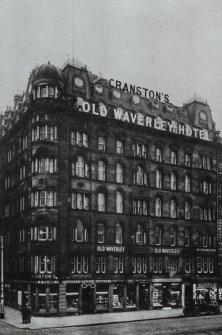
(47, 81)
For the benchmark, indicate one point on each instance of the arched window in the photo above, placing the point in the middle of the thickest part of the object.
(173, 236)
(187, 237)
(158, 179)
(101, 170)
(100, 233)
(158, 207)
(80, 233)
(119, 233)
(80, 169)
(187, 210)
(101, 202)
(173, 209)
(173, 181)
(119, 202)
(119, 173)
(158, 235)
(187, 183)
(140, 177)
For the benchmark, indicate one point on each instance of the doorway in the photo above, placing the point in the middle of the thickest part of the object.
(87, 300)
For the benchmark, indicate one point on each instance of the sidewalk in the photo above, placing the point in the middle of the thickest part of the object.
(13, 317)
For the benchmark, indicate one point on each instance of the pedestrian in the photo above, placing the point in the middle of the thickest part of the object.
(25, 314)
(29, 313)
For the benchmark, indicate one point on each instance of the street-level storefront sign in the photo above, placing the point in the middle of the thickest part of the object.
(167, 250)
(110, 248)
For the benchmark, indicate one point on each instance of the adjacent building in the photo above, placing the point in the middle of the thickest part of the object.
(110, 200)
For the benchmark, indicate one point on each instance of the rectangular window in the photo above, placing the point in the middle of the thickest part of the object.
(100, 264)
(188, 265)
(80, 264)
(188, 160)
(173, 157)
(199, 265)
(80, 201)
(101, 143)
(118, 264)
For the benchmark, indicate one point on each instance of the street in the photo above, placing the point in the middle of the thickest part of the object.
(208, 325)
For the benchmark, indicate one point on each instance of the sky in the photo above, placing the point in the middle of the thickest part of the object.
(171, 46)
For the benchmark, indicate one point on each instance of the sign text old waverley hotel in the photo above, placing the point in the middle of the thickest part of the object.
(110, 200)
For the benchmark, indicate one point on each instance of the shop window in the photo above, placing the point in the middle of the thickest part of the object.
(101, 202)
(80, 139)
(173, 209)
(158, 179)
(139, 264)
(118, 264)
(140, 207)
(43, 198)
(187, 210)
(188, 265)
(80, 264)
(119, 202)
(101, 143)
(80, 233)
(187, 160)
(72, 298)
(158, 207)
(100, 233)
(119, 147)
(80, 168)
(173, 181)
(173, 236)
(140, 177)
(118, 296)
(80, 201)
(173, 157)
(157, 264)
(44, 165)
(131, 296)
(187, 237)
(101, 171)
(159, 155)
(100, 264)
(43, 233)
(119, 233)
(102, 297)
(119, 173)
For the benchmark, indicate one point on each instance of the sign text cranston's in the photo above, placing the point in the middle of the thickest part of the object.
(145, 121)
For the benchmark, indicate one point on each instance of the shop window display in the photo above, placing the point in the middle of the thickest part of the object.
(102, 298)
(131, 296)
(41, 307)
(118, 296)
(72, 299)
(53, 299)
(157, 295)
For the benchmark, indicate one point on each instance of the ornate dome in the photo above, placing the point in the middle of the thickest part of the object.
(48, 74)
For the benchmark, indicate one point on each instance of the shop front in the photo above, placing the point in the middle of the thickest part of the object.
(206, 291)
(167, 294)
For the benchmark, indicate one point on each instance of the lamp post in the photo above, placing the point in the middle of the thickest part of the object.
(2, 279)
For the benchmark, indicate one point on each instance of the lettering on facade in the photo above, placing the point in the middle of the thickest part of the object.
(144, 92)
(80, 275)
(166, 251)
(145, 121)
(206, 250)
(109, 248)
(44, 276)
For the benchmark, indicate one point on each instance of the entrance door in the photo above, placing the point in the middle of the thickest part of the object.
(87, 300)
(188, 292)
(144, 296)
